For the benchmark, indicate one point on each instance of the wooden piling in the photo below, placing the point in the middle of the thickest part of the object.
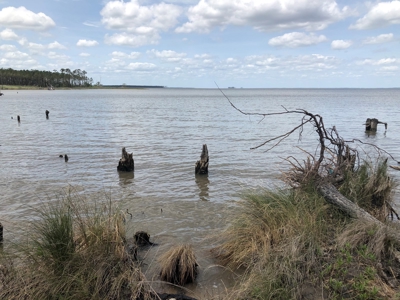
(47, 114)
(201, 166)
(126, 163)
(372, 124)
(1, 233)
(66, 158)
(19, 119)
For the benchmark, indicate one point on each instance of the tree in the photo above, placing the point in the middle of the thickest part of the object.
(327, 170)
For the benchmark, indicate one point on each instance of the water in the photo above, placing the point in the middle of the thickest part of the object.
(165, 129)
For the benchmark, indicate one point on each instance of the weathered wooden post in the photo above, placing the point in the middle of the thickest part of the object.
(66, 158)
(372, 124)
(201, 166)
(1, 233)
(19, 119)
(126, 163)
(47, 114)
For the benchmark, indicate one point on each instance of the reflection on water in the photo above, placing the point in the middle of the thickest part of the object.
(125, 178)
(203, 182)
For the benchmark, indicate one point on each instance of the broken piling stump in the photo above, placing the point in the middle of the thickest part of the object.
(66, 158)
(19, 119)
(201, 166)
(47, 114)
(126, 163)
(372, 124)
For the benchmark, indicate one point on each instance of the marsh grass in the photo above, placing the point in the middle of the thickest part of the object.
(293, 245)
(178, 265)
(371, 187)
(76, 250)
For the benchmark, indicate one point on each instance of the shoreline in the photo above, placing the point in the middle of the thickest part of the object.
(24, 87)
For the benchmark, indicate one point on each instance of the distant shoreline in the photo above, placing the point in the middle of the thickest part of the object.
(27, 87)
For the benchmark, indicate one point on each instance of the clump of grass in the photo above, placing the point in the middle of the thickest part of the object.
(278, 237)
(179, 265)
(291, 241)
(371, 187)
(75, 251)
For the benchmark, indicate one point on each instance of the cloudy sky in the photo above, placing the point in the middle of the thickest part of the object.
(195, 43)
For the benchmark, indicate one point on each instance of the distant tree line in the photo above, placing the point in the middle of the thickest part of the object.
(62, 78)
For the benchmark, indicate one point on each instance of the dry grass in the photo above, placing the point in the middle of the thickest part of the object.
(75, 251)
(371, 187)
(179, 265)
(294, 245)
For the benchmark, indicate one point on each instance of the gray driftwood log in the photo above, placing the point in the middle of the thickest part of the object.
(126, 162)
(202, 164)
(372, 124)
(333, 196)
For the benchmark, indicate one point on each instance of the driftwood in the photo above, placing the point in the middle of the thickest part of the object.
(395, 167)
(126, 163)
(333, 196)
(372, 124)
(202, 164)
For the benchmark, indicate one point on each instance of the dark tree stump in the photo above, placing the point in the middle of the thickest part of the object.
(202, 164)
(142, 238)
(126, 163)
(372, 124)
(1, 233)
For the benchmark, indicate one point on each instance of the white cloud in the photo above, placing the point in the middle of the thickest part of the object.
(141, 66)
(87, 43)
(91, 24)
(116, 62)
(59, 57)
(296, 39)
(21, 18)
(379, 62)
(133, 40)
(380, 15)
(380, 39)
(341, 44)
(390, 68)
(35, 48)
(263, 15)
(8, 48)
(7, 34)
(167, 55)
(84, 54)
(56, 45)
(141, 25)
(119, 54)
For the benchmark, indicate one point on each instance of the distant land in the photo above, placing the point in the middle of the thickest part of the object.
(126, 86)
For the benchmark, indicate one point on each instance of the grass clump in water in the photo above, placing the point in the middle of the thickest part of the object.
(292, 244)
(74, 251)
(179, 265)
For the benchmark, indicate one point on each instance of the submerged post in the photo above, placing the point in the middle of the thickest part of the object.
(19, 119)
(47, 114)
(126, 163)
(202, 164)
(372, 124)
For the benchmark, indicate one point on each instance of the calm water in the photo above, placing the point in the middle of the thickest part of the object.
(165, 129)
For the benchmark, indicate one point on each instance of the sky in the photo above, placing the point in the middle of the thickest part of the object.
(201, 43)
